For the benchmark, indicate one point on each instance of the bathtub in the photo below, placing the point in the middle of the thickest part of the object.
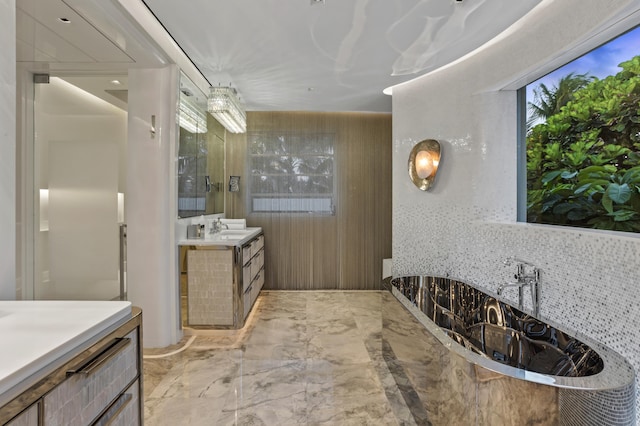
(461, 356)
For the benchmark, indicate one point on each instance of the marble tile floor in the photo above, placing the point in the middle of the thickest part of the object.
(304, 358)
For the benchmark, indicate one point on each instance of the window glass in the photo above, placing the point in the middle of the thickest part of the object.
(291, 172)
(583, 140)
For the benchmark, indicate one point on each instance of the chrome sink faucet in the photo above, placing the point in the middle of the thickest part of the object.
(218, 226)
(528, 275)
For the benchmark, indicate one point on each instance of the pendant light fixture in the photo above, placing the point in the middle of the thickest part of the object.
(224, 105)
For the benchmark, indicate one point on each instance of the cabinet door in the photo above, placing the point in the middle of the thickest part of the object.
(210, 283)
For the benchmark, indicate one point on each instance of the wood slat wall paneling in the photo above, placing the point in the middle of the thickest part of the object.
(314, 251)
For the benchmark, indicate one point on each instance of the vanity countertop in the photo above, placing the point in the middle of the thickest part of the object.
(41, 335)
(229, 238)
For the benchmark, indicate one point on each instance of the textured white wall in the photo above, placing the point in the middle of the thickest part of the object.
(8, 150)
(151, 203)
(467, 225)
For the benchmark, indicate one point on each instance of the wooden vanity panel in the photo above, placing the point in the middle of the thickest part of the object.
(210, 282)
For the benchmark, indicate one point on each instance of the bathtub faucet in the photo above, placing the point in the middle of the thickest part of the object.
(528, 275)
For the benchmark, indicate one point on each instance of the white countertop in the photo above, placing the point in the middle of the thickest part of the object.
(38, 335)
(220, 240)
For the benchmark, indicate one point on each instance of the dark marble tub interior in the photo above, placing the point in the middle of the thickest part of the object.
(496, 330)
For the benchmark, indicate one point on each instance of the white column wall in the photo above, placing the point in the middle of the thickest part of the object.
(150, 206)
(467, 224)
(8, 150)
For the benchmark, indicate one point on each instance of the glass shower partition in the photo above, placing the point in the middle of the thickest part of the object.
(78, 149)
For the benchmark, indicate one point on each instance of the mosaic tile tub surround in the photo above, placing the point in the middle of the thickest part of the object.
(589, 279)
(582, 383)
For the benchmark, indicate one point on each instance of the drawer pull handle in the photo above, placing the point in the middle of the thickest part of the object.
(114, 411)
(86, 367)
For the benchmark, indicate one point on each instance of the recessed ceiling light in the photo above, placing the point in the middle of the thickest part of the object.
(116, 82)
(314, 2)
(64, 20)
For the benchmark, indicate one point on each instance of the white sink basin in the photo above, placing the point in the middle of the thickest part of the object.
(234, 234)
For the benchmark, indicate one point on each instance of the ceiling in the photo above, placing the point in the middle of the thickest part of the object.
(73, 95)
(332, 55)
(307, 55)
(90, 44)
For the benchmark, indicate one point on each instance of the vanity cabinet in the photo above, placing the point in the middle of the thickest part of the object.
(223, 280)
(100, 385)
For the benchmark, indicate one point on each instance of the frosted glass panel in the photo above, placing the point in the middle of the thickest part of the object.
(83, 214)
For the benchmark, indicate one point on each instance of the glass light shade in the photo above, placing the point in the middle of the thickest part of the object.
(424, 164)
(424, 161)
(224, 105)
(191, 117)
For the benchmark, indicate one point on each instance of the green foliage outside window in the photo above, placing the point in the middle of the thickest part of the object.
(291, 172)
(583, 162)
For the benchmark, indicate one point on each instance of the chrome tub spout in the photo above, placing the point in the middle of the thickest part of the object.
(528, 275)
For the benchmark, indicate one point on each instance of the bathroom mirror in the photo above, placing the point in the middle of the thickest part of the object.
(200, 155)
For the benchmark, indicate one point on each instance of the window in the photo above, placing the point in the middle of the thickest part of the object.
(291, 172)
(583, 140)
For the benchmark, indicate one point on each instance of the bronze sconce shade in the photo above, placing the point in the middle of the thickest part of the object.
(423, 163)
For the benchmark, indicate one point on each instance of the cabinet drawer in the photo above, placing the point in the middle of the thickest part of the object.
(246, 254)
(257, 286)
(257, 245)
(260, 280)
(125, 411)
(247, 276)
(93, 384)
(28, 417)
(256, 265)
(247, 301)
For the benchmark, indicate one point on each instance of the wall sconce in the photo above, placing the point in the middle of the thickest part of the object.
(234, 183)
(423, 163)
